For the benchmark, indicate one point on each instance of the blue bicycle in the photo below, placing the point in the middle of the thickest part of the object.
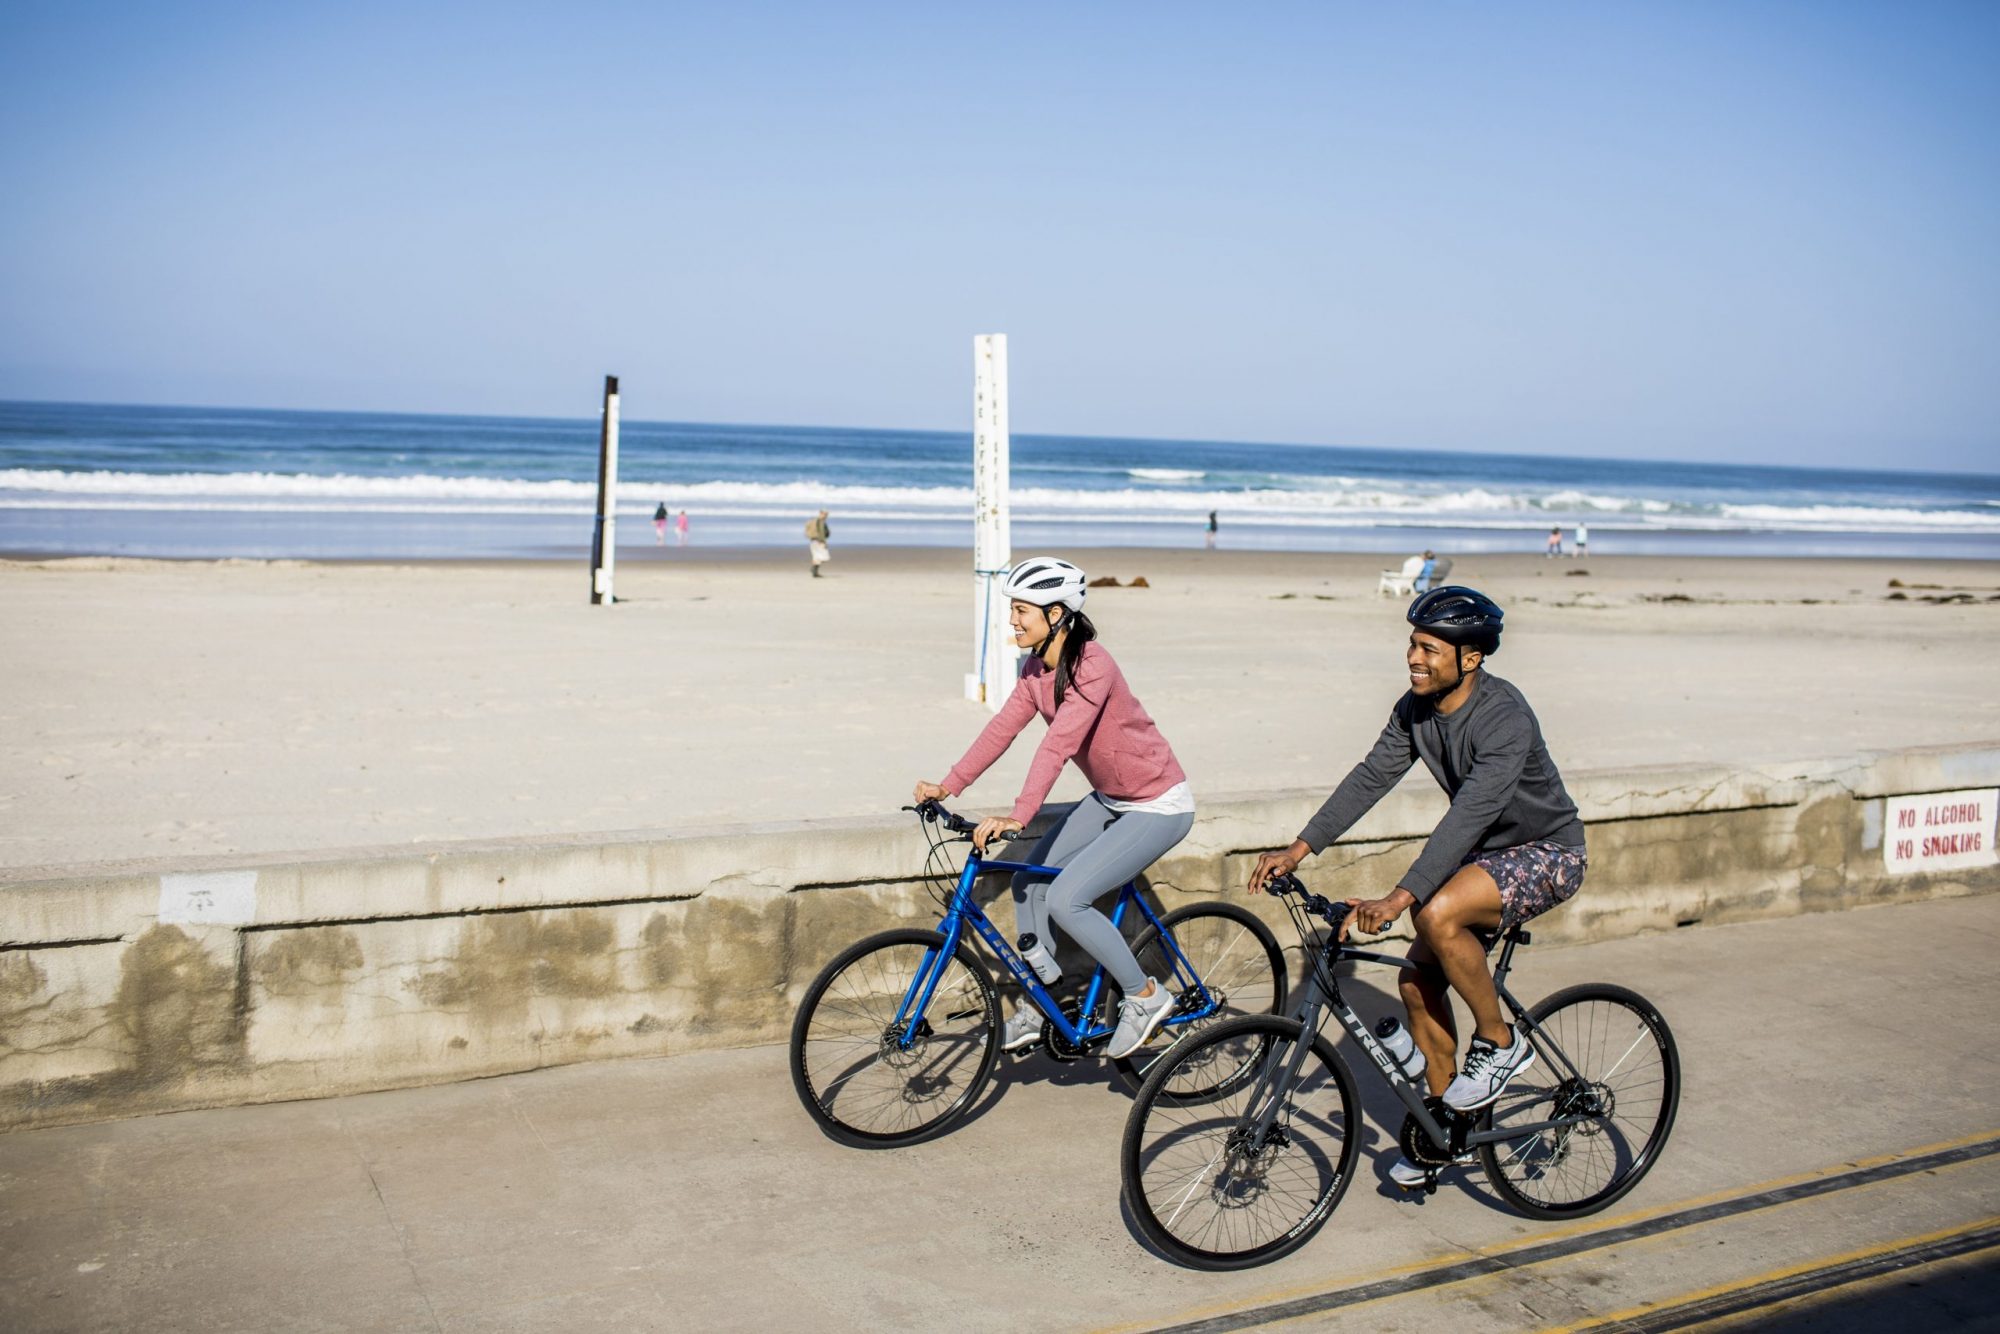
(895, 1039)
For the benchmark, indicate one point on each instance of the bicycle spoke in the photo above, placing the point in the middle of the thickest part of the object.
(1615, 1109)
(868, 1073)
(1206, 1180)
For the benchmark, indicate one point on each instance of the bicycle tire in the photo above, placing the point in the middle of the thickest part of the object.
(1168, 1159)
(862, 1089)
(1580, 1169)
(1236, 955)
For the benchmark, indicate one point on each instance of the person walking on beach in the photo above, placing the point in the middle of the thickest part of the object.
(660, 525)
(1424, 575)
(1211, 530)
(681, 528)
(1509, 849)
(817, 534)
(1582, 540)
(1555, 546)
(1139, 808)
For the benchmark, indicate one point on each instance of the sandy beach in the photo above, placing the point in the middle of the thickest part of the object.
(158, 709)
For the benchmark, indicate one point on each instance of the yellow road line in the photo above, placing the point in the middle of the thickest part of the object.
(1319, 1287)
(1775, 1275)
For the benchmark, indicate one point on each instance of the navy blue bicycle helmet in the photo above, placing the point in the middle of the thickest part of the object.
(1464, 617)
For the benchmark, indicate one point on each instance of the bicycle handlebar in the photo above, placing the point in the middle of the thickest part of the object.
(1333, 912)
(931, 812)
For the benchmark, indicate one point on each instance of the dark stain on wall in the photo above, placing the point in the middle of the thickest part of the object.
(306, 960)
(663, 954)
(175, 1006)
(504, 958)
(20, 978)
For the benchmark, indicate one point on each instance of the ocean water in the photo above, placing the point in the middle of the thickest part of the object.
(164, 481)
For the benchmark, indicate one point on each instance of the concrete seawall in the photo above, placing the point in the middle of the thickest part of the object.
(131, 988)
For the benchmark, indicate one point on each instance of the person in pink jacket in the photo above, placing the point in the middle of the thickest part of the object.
(1140, 806)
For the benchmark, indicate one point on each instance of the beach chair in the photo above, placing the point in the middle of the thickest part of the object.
(1401, 582)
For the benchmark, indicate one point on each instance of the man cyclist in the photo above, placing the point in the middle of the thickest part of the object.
(1510, 848)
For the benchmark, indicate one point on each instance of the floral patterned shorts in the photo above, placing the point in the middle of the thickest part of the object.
(1533, 878)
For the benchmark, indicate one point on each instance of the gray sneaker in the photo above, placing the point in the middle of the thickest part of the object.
(1487, 1069)
(1139, 1017)
(1023, 1030)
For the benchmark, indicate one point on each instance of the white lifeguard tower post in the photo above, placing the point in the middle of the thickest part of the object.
(994, 656)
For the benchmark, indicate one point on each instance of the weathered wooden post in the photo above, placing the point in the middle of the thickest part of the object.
(604, 544)
(992, 677)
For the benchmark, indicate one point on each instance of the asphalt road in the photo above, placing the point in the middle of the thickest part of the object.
(1836, 1166)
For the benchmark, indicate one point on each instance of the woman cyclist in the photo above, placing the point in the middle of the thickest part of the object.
(1140, 808)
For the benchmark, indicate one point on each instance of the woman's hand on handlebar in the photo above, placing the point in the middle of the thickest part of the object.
(1276, 864)
(924, 792)
(992, 828)
(1373, 915)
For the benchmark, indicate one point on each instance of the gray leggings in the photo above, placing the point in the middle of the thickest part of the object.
(1098, 849)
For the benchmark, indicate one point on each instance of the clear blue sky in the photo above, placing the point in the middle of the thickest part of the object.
(1757, 232)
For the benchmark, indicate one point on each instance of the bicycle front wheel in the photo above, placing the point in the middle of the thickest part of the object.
(1239, 964)
(854, 1071)
(1250, 1174)
(1603, 1055)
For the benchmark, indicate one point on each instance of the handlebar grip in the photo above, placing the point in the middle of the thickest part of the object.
(932, 810)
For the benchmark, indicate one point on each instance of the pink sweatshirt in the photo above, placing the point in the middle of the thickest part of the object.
(1101, 726)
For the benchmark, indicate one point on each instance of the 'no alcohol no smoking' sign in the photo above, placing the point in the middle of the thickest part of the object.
(1939, 831)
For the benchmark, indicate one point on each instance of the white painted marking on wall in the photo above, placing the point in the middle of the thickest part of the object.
(209, 898)
(1940, 831)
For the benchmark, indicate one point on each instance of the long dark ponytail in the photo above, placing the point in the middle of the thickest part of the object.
(1080, 632)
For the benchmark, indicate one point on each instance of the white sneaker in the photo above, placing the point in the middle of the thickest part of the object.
(1407, 1174)
(1139, 1017)
(1486, 1073)
(1411, 1175)
(1023, 1030)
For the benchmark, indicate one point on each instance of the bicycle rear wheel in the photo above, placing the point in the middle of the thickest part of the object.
(1251, 1173)
(849, 1065)
(1602, 1053)
(1239, 964)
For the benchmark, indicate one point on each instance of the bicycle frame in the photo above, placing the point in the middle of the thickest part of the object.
(964, 911)
(1317, 996)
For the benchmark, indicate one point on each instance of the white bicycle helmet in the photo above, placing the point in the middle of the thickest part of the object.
(1045, 581)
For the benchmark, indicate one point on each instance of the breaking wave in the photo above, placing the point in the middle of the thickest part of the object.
(1328, 501)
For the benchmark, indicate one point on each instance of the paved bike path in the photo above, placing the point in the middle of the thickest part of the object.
(693, 1193)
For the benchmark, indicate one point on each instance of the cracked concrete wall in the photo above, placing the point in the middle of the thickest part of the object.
(142, 988)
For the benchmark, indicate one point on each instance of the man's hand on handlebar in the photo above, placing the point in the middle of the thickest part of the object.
(992, 828)
(1277, 863)
(1373, 915)
(924, 792)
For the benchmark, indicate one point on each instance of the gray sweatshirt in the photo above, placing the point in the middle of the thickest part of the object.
(1489, 757)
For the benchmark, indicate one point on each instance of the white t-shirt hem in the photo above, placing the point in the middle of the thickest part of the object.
(1176, 800)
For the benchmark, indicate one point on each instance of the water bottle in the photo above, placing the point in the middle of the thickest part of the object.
(1402, 1048)
(1036, 955)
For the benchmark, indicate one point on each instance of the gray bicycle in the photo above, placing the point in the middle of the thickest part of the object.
(1251, 1169)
